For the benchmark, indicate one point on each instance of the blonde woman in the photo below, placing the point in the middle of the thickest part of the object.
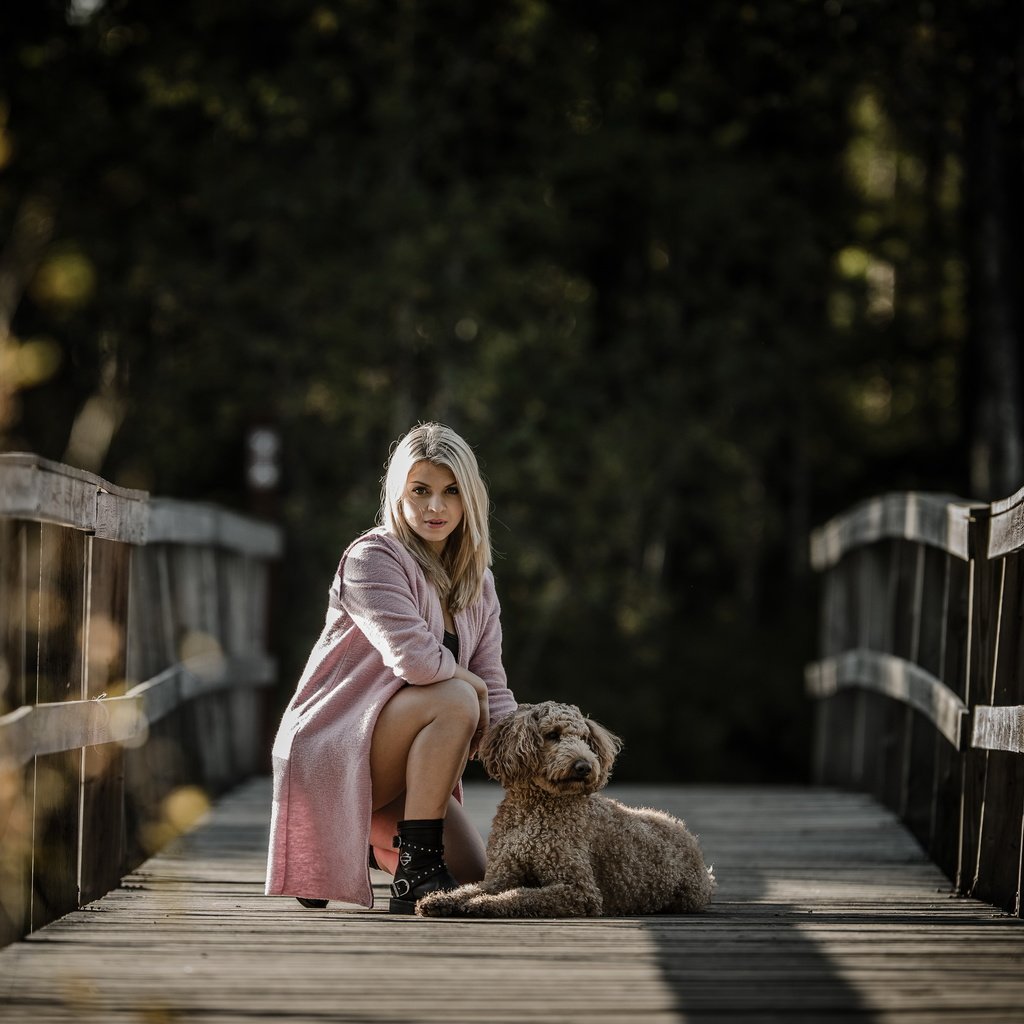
(396, 696)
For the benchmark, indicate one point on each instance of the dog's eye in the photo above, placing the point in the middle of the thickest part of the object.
(554, 736)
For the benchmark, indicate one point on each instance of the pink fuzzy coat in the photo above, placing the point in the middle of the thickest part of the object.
(384, 629)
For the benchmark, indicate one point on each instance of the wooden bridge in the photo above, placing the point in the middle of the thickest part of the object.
(133, 817)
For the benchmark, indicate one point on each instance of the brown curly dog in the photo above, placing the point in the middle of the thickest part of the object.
(558, 850)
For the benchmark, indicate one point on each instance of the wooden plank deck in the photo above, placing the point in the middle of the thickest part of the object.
(826, 911)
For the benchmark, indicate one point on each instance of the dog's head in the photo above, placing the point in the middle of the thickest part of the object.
(554, 746)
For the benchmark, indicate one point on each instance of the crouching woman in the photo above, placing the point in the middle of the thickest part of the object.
(396, 696)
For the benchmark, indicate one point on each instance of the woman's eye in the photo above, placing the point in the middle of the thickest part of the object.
(419, 491)
(452, 490)
(554, 736)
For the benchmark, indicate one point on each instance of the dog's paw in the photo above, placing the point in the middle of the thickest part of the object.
(445, 903)
(437, 905)
(489, 905)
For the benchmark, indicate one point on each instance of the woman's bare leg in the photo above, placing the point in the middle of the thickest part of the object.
(417, 755)
(420, 745)
(463, 847)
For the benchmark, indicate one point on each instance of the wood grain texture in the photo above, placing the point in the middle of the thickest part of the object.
(938, 520)
(45, 491)
(42, 729)
(1007, 530)
(827, 911)
(893, 677)
(998, 728)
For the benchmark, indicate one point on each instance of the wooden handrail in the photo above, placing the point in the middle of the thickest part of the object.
(35, 730)
(188, 522)
(932, 519)
(921, 638)
(40, 490)
(48, 492)
(134, 646)
(896, 678)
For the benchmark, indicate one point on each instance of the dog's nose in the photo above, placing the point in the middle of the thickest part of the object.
(581, 769)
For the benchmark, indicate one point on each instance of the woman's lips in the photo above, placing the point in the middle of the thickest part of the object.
(437, 522)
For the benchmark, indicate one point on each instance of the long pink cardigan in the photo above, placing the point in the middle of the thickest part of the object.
(384, 629)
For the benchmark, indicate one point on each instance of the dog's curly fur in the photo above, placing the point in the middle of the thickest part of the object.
(556, 848)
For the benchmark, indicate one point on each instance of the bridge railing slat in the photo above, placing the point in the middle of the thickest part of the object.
(132, 655)
(919, 685)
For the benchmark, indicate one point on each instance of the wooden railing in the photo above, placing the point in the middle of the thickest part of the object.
(132, 654)
(920, 693)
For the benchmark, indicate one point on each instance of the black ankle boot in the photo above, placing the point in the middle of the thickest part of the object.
(421, 867)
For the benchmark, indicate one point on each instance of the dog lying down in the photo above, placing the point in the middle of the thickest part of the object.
(556, 848)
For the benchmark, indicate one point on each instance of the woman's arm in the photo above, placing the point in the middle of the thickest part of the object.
(377, 593)
(487, 662)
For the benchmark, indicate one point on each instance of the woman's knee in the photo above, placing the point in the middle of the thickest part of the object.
(452, 701)
(457, 701)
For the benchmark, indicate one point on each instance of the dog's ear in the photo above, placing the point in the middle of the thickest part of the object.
(605, 744)
(509, 750)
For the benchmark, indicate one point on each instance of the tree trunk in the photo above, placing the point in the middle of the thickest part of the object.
(993, 179)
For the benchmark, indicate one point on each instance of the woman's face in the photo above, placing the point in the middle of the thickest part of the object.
(431, 503)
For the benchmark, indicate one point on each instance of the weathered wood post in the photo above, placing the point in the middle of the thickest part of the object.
(994, 801)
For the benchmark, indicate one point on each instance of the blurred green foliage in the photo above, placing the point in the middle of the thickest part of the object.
(691, 277)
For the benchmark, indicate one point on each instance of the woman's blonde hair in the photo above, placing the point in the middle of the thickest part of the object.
(458, 572)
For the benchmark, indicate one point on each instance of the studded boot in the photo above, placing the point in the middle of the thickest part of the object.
(421, 866)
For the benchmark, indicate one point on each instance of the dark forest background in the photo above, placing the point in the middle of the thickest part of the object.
(692, 277)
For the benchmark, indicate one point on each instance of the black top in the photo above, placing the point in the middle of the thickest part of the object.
(451, 641)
